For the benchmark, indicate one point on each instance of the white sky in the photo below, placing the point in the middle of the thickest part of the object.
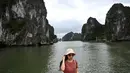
(70, 15)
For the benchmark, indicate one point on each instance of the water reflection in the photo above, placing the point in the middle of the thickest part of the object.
(120, 59)
(92, 58)
(96, 58)
(25, 60)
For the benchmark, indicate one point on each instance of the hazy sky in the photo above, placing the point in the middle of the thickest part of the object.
(70, 15)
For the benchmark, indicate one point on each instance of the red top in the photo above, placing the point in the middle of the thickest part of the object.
(70, 67)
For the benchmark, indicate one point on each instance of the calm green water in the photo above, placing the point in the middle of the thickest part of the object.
(92, 58)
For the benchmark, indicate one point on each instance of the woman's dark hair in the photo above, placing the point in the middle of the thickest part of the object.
(66, 58)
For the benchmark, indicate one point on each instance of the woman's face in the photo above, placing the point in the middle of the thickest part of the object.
(70, 56)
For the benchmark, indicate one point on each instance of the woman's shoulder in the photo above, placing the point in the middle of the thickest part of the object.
(75, 60)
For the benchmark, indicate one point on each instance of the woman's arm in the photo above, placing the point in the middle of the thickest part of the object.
(77, 70)
(76, 67)
(63, 64)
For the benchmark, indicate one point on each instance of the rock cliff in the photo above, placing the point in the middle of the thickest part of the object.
(24, 22)
(72, 37)
(92, 30)
(116, 28)
(117, 23)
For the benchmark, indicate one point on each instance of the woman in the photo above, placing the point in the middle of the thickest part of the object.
(68, 64)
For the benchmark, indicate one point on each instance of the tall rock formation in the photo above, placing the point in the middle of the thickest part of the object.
(92, 30)
(23, 22)
(72, 37)
(117, 24)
